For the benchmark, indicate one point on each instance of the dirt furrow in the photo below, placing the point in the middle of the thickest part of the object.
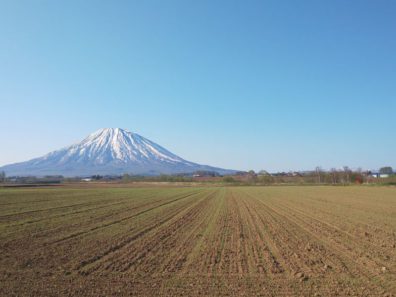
(83, 267)
(167, 253)
(111, 223)
(325, 249)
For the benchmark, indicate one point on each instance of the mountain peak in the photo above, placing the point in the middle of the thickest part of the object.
(110, 144)
(108, 151)
(111, 130)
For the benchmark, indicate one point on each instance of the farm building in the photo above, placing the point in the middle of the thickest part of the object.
(379, 175)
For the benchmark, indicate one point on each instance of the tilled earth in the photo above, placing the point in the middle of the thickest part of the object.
(231, 241)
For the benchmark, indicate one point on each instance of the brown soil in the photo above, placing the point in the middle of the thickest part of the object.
(150, 241)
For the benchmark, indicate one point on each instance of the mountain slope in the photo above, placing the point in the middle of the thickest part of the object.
(109, 151)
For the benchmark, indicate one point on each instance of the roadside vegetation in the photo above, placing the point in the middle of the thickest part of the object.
(344, 176)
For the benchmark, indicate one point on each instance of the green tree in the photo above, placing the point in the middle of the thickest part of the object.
(126, 177)
(263, 172)
(386, 170)
(228, 179)
(266, 179)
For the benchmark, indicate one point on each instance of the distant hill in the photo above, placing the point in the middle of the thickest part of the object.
(109, 151)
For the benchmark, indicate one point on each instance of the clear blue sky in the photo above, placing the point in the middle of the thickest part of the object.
(273, 85)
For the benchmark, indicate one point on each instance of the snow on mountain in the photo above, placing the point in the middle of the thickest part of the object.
(107, 145)
(109, 151)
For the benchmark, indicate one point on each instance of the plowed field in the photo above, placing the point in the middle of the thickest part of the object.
(233, 241)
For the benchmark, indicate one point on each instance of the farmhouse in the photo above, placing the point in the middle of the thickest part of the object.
(379, 175)
(86, 179)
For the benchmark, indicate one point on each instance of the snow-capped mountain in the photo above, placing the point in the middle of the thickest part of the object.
(108, 151)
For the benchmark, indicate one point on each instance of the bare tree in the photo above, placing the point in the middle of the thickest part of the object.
(2, 177)
(318, 174)
(333, 176)
(347, 173)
